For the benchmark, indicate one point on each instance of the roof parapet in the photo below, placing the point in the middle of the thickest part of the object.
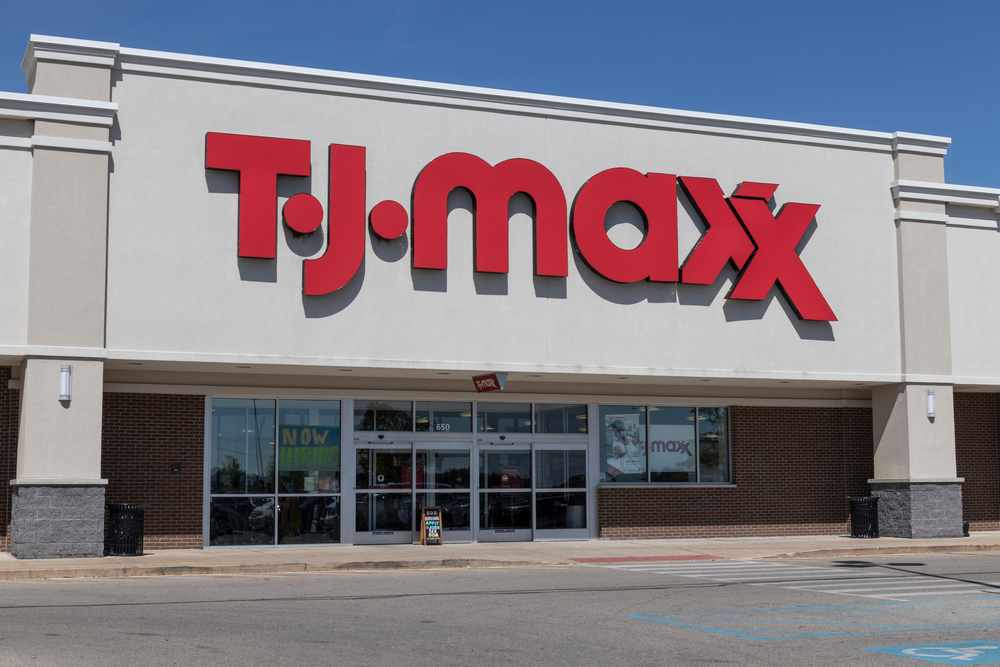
(63, 49)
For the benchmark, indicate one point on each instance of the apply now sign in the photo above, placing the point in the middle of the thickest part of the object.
(308, 447)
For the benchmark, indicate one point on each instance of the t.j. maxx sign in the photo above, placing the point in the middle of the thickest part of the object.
(740, 229)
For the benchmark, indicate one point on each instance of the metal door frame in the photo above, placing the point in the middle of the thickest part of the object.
(506, 534)
(555, 534)
(458, 536)
(378, 536)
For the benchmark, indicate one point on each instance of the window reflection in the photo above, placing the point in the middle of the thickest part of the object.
(561, 469)
(384, 469)
(713, 444)
(560, 510)
(241, 521)
(672, 450)
(504, 469)
(505, 510)
(309, 447)
(503, 417)
(443, 417)
(383, 415)
(455, 509)
(242, 446)
(308, 520)
(560, 418)
(383, 511)
(443, 469)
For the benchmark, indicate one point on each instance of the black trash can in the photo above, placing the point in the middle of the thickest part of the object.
(864, 517)
(126, 524)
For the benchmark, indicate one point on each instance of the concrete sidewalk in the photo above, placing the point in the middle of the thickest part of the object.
(272, 560)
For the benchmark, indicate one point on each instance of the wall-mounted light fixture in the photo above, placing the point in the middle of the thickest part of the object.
(930, 404)
(65, 383)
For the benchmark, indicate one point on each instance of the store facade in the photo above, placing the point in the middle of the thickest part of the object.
(254, 298)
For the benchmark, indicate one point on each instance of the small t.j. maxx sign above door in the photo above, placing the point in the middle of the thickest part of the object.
(491, 382)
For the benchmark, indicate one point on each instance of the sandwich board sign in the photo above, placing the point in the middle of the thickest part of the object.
(430, 526)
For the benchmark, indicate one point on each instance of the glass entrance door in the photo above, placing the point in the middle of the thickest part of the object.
(505, 507)
(532, 492)
(444, 479)
(393, 483)
(560, 484)
(383, 512)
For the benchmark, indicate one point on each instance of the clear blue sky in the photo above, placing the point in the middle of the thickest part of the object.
(918, 66)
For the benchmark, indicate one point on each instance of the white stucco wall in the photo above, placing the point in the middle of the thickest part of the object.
(973, 254)
(175, 287)
(15, 215)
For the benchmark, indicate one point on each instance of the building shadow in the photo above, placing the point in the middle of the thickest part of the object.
(325, 305)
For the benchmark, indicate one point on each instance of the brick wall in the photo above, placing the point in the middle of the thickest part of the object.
(977, 454)
(8, 452)
(143, 434)
(794, 469)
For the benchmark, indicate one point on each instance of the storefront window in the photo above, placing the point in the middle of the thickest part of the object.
(384, 469)
(242, 446)
(623, 443)
(504, 469)
(274, 481)
(560, 511)
(713, 444)
(443, 469)
(241, 521)
(503, 418)
(560, 418)
(505, 510)
(309, 447)
(455, 509)
(444, 417)
(672, 450)
(685, 445)
(383, 511)
(561, 469)
(383, 415)
(308, 519)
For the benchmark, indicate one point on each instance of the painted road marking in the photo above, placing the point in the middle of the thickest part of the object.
(874, 583)
(838, 620)
(951, 653)
(644, 559)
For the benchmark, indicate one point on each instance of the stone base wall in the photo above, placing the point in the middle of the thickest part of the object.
(919, 510)
(57, 521)
(794, 469)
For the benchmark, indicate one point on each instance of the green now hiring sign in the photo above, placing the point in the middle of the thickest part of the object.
(308, 447)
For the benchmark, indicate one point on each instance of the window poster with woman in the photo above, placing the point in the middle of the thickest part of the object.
(625, 435)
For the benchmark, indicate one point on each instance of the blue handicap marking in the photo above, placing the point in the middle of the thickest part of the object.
(950, 653)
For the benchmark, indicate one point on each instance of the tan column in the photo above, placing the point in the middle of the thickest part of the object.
(58, 496)
(915, 469)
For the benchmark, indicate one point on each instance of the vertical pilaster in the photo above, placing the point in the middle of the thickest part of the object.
(58, 496)
(915, 469)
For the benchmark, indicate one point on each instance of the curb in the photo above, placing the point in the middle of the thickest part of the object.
(114, 572)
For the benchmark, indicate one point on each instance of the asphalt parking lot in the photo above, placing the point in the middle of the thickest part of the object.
(802, 612)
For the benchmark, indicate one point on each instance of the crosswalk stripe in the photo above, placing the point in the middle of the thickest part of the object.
(741, 570)
(949, 592)
(835, 580)
(702, 565)
(892, 588)
(812, 578)
(703, 568)
(776, 577)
